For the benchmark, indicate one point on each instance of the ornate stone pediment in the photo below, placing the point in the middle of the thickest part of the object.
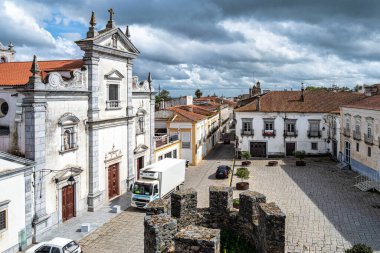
(113, 154)
(114, 75)
(140, 149)
(115, 39)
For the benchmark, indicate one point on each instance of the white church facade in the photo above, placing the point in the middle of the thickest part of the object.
(86, 123)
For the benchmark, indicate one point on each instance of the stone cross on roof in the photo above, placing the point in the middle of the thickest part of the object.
(110, 24)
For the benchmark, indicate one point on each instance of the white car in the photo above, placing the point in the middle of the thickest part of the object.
(56, 245)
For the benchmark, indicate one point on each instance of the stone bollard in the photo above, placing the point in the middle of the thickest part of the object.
(159, 232)
(220, 204)
(197, 239)
(249, 201)
(271, 228)
(184, 206)
(158, 206)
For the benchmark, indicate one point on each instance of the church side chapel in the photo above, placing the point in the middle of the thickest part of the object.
(86, 123)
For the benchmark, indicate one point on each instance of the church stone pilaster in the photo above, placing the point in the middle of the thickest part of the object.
(35, 149)
(94, 195)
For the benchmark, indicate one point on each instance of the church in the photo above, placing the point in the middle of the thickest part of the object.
(86, 124)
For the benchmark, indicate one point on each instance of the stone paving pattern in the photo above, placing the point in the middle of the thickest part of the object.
(324, 212)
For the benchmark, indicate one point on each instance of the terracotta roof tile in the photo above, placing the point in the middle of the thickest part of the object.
(194, 117)
(18, 73)
(370, 103)
(314, 101)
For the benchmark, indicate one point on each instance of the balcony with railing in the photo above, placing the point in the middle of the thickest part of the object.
(356, 135)
(269, 133)
(163, 139)
(346, 132)
(314, 133)
(247, 132)
(113, 104)
(368, 139)
(290, 133)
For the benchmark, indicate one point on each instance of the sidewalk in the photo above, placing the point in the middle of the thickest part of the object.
(71, 228)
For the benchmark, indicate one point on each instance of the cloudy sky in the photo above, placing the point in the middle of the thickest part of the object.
(219, 46)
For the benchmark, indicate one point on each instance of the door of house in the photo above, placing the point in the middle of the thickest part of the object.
(347, 152)
(140, 165)
(290, 148)
(68, 206)
(258, 149)
(113, 180)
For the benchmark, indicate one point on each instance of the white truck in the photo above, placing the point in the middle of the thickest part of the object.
(158, 180)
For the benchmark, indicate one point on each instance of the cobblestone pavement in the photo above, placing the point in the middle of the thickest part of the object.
(125, 232)
(325, 213)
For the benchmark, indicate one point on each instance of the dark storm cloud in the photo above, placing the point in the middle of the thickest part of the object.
(279, 42)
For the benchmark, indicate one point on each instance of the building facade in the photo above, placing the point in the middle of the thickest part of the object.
(360, 138)
(279, 123)
(83, 120)
(16, 202)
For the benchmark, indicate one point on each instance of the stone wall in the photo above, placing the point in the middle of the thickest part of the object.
(198, 229)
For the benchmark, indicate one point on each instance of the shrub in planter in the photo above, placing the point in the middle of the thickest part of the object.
(359, 248)
(243, 174)
(300, 155)
(245, 155)
(236, 203)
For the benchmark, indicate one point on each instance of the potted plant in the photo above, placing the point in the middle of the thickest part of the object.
(236, 203)
(245, 155)
(243, 174)
(360, 248)
(300, 155)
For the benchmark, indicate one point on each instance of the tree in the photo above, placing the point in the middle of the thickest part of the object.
(198, 93)
(242, 173)
(357, 88)
(315, 88)
(164, 95)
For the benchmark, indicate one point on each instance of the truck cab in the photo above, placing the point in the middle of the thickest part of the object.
(158, 180)
(144, 192)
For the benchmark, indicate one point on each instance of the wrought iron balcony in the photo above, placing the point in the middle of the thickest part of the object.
(269, 133)
(247, 133)
(368, 139)
(290, 133)
(314, 133)
(346, 132)
(356, 135)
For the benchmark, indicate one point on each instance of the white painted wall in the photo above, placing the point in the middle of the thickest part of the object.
(276, 145)
(13, 189)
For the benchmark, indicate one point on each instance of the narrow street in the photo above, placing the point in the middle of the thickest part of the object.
(125, 232)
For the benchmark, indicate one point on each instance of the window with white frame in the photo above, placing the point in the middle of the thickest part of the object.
(69, 132)
(160, 158)
(348, 122)
(314, 146)
(113, 96)
(247, 126)
(168, 155)
(369, 152)
(174, 153)
(268, 126)
(185, 138)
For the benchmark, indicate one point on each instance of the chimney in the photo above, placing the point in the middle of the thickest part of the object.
(258, 103)
(302, 91)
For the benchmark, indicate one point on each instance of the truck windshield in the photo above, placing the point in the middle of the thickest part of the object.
(142, 189)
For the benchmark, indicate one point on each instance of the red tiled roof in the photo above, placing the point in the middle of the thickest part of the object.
(370, 103)
(314, 101)
(217, 100)
(18, 73)
(185, 115)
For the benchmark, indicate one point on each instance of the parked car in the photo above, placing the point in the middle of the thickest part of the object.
(222, 171)
(56, 245)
